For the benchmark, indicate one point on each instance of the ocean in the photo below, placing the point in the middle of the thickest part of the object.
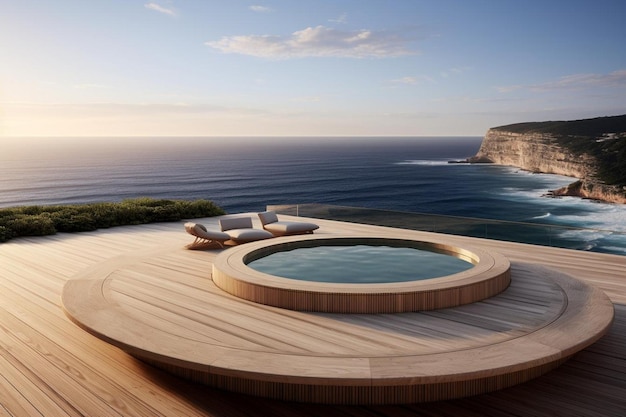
(409, 174)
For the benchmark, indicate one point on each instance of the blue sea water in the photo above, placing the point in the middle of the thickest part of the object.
(359, 264)
(247, 174)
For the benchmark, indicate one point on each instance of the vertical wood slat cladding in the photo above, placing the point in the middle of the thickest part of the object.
(361, 394)
(369, 303)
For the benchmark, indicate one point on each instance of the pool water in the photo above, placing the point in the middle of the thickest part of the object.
(359, 264)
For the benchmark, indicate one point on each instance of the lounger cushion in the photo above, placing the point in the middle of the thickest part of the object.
(290, 228)
(267, 217)
(240, 230)
(201, 231)
(236, 223)
(248, 234)
(205, 238)
(270, 222)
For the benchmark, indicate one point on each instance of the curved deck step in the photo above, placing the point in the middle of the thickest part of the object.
(161, 306)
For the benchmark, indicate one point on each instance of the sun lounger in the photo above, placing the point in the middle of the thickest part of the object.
(270, 222)
(240, 230)
(205, 238)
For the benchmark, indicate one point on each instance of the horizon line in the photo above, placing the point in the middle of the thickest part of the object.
(239, 136)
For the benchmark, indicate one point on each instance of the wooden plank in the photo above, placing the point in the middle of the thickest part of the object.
(27, 395)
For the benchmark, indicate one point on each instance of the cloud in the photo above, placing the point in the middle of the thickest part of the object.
(88, 86)
(260, 9)
(509, 88)
(317, 41)
(124, 119)
(405, 80)
(307, 99)
(160, 9)
(454, 71)
(343, 18)
(579, 81)
(420, 79)
(615, 79)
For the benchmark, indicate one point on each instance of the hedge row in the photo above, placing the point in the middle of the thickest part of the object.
(48, 220)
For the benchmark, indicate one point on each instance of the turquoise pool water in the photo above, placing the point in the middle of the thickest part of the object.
(359, 264)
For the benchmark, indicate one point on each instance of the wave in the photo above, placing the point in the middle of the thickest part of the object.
(577, 212)
(426, 162)
(618, 250)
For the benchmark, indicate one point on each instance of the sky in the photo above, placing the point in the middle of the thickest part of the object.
(305, 68)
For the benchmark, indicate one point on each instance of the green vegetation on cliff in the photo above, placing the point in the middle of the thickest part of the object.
(48, 220)
(604, 138)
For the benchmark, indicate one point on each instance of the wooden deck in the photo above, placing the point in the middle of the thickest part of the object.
(52, 367)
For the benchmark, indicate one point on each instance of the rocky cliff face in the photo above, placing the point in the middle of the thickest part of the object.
(593, 190)
(542, 152)
(536, 152)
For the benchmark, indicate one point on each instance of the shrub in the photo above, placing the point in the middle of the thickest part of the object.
(5, 234)
(47, 220)
(73, 222)
(32, 225)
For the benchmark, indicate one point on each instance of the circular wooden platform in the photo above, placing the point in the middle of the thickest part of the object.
(489, 276)
(162, 307)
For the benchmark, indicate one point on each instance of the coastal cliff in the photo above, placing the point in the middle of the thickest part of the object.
(591, 150)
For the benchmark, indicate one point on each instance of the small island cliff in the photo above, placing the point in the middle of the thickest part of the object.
(591, 150)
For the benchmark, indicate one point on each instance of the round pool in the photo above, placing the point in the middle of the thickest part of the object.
(360, 263)
(484, 274)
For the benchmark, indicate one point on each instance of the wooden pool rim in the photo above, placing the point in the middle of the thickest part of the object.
(490, 275)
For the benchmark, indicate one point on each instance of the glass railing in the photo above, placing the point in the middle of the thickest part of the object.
(597, 240)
